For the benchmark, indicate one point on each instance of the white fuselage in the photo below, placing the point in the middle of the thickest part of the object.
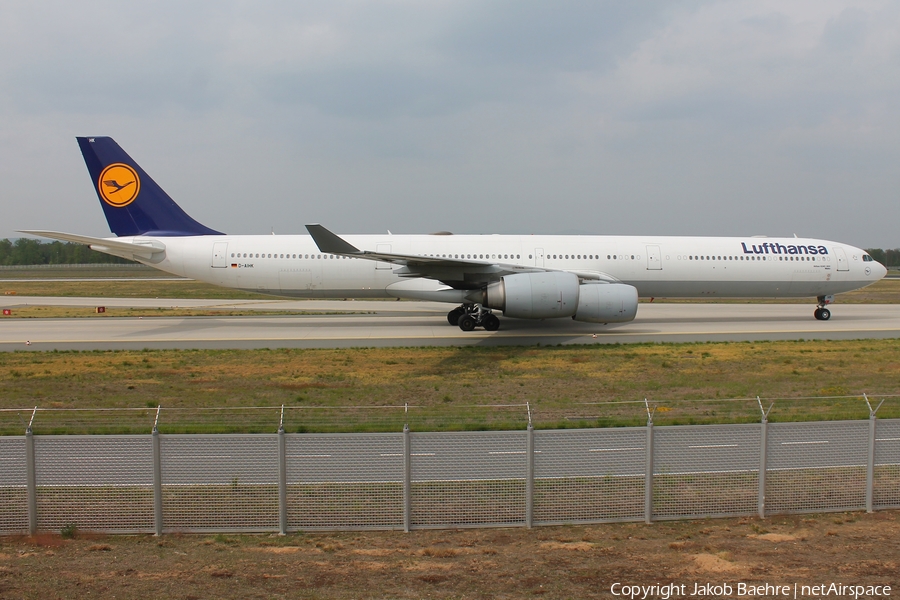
(293, 266)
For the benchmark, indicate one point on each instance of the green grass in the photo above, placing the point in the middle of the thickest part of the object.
(466, 388)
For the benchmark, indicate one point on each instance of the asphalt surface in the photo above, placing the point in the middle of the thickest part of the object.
(332, 324)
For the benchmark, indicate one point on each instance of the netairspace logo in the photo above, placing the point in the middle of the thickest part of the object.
(747, 590)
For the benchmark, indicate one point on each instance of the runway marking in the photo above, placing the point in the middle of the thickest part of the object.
(887, 439)
(613, 449)
(803, 443)
(511, 452)
(214, 456)
(716, 446)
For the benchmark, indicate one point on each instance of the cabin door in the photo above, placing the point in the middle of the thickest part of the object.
(842, 265)
(383, 249)
(220, 255)
(654, 262)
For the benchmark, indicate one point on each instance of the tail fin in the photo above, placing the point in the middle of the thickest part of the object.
(132, 202)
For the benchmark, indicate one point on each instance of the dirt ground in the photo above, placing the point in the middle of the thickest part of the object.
(549, 562)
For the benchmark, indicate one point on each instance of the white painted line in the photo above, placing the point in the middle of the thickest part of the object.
(513, 452)
(716, 446)
(398, 454)
(613, 449)
(422, 454)
(803, 443)
(193, 456)
(887, 439)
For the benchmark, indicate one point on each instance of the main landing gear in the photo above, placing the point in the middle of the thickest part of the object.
(469, 316)
(822, 313)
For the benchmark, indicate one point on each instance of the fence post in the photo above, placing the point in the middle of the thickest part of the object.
(763, 458)
(648, 474)
(529, 476)
(282, 477)
(31, 482)
(157, 478)
(870, 463)
(407, 480)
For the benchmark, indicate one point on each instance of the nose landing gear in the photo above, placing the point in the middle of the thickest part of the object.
(469, 316)
(822, 313)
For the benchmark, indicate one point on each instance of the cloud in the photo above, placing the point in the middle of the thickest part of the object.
(699, 117)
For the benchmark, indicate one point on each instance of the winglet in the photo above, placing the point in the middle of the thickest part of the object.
(330, 242)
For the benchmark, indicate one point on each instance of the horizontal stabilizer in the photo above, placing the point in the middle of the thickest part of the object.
(145, 248)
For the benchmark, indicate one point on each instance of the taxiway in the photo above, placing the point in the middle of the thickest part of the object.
(332, 324)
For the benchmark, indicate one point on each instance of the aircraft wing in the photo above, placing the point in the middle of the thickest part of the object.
(141, 248)
(455, 272)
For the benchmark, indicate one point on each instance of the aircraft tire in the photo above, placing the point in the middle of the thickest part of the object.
(466, 323)
(453, 315)
(824, 314)
(490, 323)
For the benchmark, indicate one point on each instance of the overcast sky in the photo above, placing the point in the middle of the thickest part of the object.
(747, 117)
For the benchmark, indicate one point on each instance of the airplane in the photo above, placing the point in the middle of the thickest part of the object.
(588, 278)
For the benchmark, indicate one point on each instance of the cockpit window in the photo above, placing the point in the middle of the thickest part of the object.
(867, 258)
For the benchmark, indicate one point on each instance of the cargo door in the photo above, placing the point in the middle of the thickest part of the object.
(539, 257)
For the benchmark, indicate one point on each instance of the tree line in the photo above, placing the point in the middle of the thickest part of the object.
(24, 251)
(889, 258)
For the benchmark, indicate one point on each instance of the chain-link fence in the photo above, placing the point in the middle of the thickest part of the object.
(352, 481)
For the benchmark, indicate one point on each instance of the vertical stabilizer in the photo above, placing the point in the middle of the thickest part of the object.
(132, 202)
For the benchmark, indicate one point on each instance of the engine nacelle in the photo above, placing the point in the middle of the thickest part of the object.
(546, 295)
(606, 303)
(550, 295)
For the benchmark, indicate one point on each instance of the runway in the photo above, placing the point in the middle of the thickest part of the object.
(337, 324)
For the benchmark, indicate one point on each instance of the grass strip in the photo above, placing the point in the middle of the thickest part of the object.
(466, 388)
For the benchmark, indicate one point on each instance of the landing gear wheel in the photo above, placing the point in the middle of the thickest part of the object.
(466, 322)
(454, 315)
(490, 322)
(823, 314)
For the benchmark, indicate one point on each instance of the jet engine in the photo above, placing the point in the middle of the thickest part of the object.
(554, 294)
